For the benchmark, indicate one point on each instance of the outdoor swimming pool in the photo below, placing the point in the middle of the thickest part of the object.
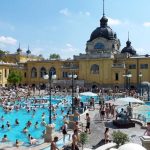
(142, 112)
(23, 116)
(15, 132)
(147, 103)
(147, 112)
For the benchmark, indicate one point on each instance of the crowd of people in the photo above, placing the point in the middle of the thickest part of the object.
(15, 102)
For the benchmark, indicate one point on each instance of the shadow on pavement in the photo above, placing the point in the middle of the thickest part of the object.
(110, 125)
(102, 142)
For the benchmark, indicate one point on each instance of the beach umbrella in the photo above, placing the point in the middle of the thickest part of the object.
(125, 101)
(88, 94)
(129, 100)
(131, 146)
(116, 102)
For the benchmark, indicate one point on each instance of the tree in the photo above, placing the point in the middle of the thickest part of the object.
(54, 56)
(2, 52)
(14, 77)
(83, 138)
(120, 138)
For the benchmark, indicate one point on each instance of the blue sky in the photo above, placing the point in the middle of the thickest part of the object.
(64, 26)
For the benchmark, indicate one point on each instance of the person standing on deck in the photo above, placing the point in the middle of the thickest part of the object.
(75, 141)
(88, 120)
(53, 144)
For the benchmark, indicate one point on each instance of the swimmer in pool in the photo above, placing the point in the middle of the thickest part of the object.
(43, 122)
(36, 125)
(2, 117)
(54, 117)
(8, 124)
(43, 115)
(5, 139)
(2, 126)
(29, 137)
(16, 122)
(29, 123)
(25, 130)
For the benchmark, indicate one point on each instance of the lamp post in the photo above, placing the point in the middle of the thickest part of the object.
(39, 88)
(124, 75)
(140, 79)
(50, 77)
(129, 76)
(72, 76)
(148, 92)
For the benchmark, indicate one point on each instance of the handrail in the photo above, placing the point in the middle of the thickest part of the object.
(140, 117)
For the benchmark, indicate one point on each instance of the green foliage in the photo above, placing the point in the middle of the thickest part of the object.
(120, 138)
(41, 56)
(14, 77)
(2, 52)
(83, 138)
(54, 56)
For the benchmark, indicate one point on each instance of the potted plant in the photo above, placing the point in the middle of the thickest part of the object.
(120, 138)
(83, 138)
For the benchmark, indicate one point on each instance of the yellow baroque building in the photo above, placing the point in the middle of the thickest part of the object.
(102, 65)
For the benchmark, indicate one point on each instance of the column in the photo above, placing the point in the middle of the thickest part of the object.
(146, 142)
(48, 137)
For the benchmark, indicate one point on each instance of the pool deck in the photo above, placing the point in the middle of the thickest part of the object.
(98, 127)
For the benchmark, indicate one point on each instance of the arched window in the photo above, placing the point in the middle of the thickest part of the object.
(94, 69)
(42, 72)
(52, 71)
(33, 73)
(99, 46)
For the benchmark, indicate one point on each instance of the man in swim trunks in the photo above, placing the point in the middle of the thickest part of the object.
(53, 144)
(88, 119)
(74, 141)
(147, 132)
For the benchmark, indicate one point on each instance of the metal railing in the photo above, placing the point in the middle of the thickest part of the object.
(140, 117)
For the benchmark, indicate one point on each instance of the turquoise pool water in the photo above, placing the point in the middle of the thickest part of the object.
(23, 116)
(148, 112)
(15, 132)
(85, 99)
(144, 113)
(147, 103)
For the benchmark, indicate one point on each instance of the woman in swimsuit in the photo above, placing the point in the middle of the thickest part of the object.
(106, 135)
(147, 132)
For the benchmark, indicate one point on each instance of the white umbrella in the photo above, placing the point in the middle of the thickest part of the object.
(88, 94)
(117, 103)
(125, 101)
(131, 146)
(130, 99)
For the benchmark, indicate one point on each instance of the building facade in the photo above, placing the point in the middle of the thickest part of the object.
(102, 65)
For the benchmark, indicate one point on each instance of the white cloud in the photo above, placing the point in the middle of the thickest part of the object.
(37, 51)
(5, 25)
(84, 13)
(113, 21)
(65, 12)
(87, 13)
(69, 48)
(7, 40)
(68, 51)
(69, 45)
(146, 24)
(142, 51)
